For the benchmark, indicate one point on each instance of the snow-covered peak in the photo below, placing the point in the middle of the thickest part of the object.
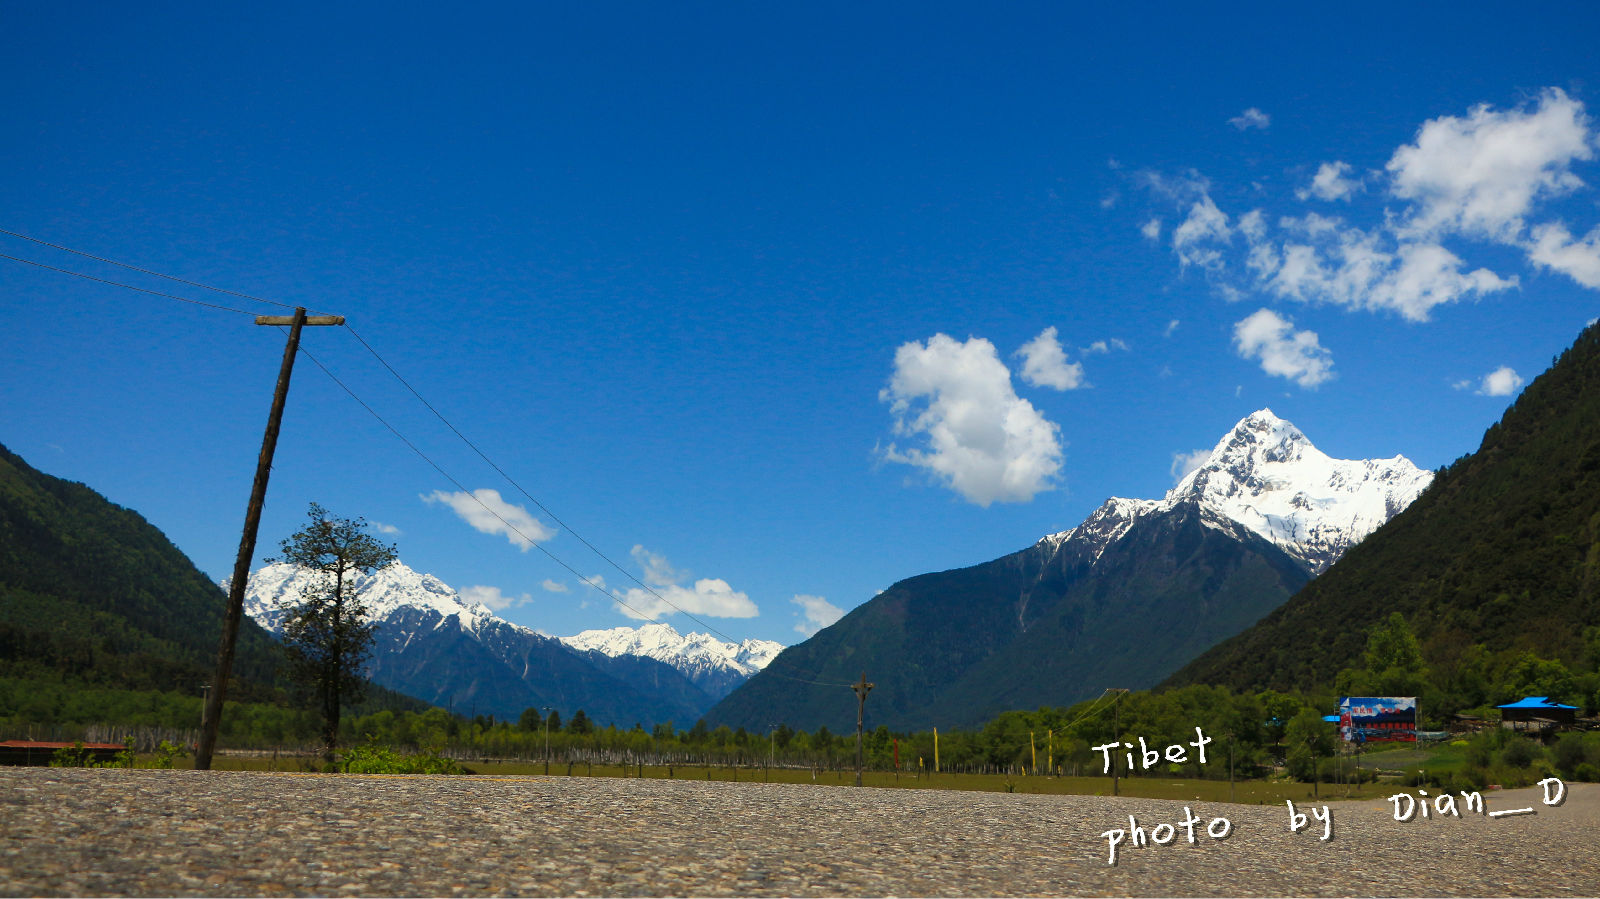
(1266, 475)
(385, 592)
(691, 653)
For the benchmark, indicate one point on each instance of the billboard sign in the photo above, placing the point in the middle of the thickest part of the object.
(1378, 719)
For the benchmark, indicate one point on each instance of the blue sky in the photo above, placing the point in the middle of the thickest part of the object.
(773, 305)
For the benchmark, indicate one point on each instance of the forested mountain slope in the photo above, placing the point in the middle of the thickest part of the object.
(92, 594)
(90, 591)
(1500, 551)
(1137, 589)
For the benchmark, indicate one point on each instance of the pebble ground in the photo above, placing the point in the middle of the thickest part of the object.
(187, 833)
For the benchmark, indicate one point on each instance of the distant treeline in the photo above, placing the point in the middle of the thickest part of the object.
(1258, 731)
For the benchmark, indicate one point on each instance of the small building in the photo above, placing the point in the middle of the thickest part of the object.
(1537, 715)
(36, 752)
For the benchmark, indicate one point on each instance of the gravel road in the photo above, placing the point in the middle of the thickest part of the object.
(180, 833)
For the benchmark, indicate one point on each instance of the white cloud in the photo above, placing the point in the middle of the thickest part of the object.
(1553, 247)
(981, 439)
(1429, 275)
(1283, 351)
(1151, 229)
(1195, 239)
(382, 528)
(492, 597)
(1103, 346)
(1478, 177)
(1327, 262)
(1330, 183)
(1251, 118)
(709, 596)
(1183, 463)
(1172, 327)
(553, 586)
(1044, 364)
(657, 571)
(1481, 174)
(1500, 382)
(818, 611)
(487, 512)
(666, 595)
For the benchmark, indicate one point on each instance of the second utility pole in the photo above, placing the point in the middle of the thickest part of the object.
(212, 717)
(861, 689)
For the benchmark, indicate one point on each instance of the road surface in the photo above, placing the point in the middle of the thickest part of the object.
(116, 832)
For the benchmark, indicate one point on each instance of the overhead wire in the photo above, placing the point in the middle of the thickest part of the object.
(542, 507)
(513, 528)
(56, 246)
(415, 393)
(157, 293)
(458, 485)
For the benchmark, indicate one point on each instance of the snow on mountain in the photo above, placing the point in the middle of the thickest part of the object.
(710, 663)
(385, 592)
(1267, 476)
(396, 593)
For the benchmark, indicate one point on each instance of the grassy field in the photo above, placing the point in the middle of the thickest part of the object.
(1246, 792)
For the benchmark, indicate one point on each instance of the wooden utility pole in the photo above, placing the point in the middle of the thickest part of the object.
(1116, 734)
(861, 689)
(211, 719)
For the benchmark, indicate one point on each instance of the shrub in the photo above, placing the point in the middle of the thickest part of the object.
(1518, 754)
(370, 758)
(74, 756)
(166, 753)
(1468, 779)
(1568, 753)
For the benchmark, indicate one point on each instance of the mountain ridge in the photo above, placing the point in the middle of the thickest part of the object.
(1049, 623)
(462, 655)
(1502, 551)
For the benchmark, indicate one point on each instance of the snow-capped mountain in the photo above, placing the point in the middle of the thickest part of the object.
(385, 592)
(1128, 596)
(1267, 476)
(712, 665)
(436, 646)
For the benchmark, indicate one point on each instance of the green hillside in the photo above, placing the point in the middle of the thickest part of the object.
(1044, 626)
(97, 605)
(90, 592)
(1498, 557)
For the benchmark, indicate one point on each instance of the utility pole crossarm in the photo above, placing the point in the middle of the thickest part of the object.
(287, 320)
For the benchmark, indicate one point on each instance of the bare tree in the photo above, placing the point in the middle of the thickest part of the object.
(327, 633)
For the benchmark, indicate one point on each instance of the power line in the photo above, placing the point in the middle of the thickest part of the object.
(431, 408)
(125, 286)
(381, 361)
(447, 476)
(513, 528)
(459, 486)
(586, 579)
(542, 507)
(231, 293)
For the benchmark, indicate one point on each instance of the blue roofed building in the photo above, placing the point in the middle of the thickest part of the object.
(1537, 714)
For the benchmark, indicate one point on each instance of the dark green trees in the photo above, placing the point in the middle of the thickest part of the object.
(327, 634)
